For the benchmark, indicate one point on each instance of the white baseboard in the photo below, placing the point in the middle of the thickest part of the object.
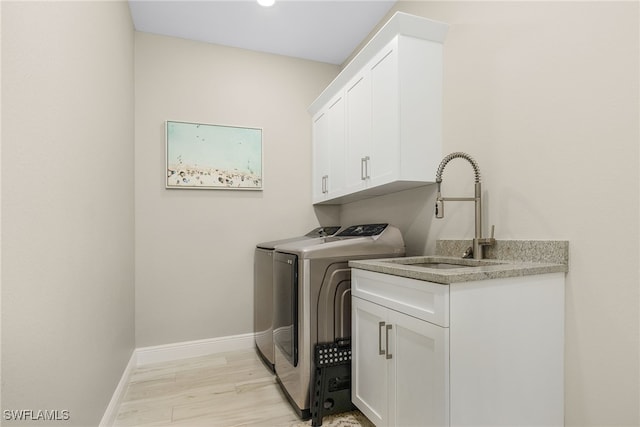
(183, 350)
(168, 352)
(109, 417)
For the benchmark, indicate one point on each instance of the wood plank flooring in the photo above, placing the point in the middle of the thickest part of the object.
(226, 389)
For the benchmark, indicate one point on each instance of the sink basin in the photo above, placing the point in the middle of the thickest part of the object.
(440, 265)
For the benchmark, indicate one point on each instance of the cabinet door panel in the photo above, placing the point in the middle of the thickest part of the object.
(336, 141)
(369, 380)
(320, 132)
(385, 117)
(358, 117)
(419, 372)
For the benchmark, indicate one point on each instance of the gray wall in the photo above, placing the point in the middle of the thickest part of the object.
(194, 248)
(544, 95)
(67, 205)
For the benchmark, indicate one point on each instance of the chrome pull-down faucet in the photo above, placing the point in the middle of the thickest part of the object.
(478, 242)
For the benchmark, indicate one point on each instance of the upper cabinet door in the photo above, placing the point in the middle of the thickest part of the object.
(328, 150)
(385, 116)
(358, 122)
(320, 152)
(337, 133)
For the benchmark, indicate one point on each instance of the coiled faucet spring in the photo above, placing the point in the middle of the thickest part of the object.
(457, 155)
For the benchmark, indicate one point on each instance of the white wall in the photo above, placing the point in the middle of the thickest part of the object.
(194, 248)
(67, 206)
(544, 95)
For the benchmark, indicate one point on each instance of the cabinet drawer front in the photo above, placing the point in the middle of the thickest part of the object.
(424, 300)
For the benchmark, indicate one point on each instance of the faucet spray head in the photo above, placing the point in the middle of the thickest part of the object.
(439, 201)
(439, 207)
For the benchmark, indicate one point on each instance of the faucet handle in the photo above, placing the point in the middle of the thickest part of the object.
(468, 253)
(487, 241)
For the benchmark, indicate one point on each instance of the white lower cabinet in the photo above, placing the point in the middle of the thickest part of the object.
(370, 368)
(486, 352)
(400, 375)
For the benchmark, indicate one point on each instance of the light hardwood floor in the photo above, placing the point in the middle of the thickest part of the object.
(226, 389)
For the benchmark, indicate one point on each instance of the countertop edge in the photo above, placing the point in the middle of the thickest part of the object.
(503, 269)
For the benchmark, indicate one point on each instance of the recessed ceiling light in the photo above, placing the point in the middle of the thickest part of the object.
(266, 3)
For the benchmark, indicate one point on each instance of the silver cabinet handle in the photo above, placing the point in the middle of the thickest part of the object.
(389, 355)
(363, 160)
(366, 167)
(380, 326)
(325, 178)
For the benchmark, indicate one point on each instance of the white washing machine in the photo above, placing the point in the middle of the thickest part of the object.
(263, 289)
(312, 299)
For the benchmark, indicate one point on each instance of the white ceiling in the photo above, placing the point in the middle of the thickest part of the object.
(319, 30)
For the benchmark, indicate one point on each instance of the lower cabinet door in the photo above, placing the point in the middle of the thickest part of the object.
(369, 368)
(418, 373)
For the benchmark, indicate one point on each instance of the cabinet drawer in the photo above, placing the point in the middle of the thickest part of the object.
(424, 300)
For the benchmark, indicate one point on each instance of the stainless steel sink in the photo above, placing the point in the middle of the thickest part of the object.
(440, 265)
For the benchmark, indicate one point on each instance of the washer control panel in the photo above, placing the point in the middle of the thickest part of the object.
(362, 230)
(323, 231)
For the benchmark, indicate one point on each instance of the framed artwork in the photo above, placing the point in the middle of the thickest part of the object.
(204, 156)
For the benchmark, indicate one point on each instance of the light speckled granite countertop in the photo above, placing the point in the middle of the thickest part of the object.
(507, 258)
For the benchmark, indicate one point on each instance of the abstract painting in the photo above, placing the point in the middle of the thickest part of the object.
(204, 156)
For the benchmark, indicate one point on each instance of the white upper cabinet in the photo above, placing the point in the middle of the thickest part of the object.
(389, 137)
(384, 153)
(358, 123)
(320, 169)
(328, 132)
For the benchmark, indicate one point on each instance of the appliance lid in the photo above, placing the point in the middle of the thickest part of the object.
(316, 233)
(357, 241)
